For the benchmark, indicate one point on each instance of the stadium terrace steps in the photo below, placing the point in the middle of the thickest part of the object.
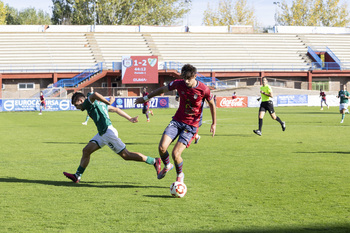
(272, 50)
(77, 51)
(115, 45)
(44, 51)
(338, 43)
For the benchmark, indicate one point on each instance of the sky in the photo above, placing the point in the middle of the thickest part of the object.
(264, 9)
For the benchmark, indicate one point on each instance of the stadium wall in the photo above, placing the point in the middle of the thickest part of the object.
(10, 105)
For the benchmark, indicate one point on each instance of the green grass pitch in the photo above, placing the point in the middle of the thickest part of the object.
(292, 181)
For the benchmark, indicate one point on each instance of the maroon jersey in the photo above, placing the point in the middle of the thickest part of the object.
(323, 95)
(42, 98)
(143, 95)
(191, 101)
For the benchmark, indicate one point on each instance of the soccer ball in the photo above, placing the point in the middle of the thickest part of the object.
(178, 189)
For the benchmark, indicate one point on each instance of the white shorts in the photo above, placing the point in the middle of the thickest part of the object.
(343, 106)
(109, 138)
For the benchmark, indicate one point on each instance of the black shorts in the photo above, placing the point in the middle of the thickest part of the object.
(267, 106)
(145, 109)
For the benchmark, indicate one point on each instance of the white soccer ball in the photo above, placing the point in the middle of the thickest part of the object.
(178, 189)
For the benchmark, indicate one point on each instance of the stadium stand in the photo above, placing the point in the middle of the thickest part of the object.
(115, 45)
(77, 51)
(69, 55)
(44, 52)
(338, 43)
(218, 51)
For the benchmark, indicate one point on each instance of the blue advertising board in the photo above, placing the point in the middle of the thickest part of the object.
(292, 100)
(9, 105)
(128, 102)
(33, 105)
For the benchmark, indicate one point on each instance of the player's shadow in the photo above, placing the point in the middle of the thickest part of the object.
(140, 143)
(307, 229)
(81, 143)
(233, 135)
(324, 152)
(101, 184)
(317, 113)
(160, 196)
(84, 143)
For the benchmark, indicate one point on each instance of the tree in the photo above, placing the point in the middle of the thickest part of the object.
(314, 13)
(119, 12)
(230, 13)
(62, 11)
(27, 16)
(3, 12)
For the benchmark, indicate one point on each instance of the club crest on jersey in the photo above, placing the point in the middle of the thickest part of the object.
(195, 96)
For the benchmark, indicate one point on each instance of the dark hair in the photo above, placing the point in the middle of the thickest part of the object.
(188, 71)
(77, 95)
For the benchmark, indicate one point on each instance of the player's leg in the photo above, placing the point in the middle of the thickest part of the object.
(41, 108)
(84, 162)
(147, 116)
(260, 123)
(111, 139)
(342, 112)
(186, 136)
(86, 120)
(197, 137)
(178, 161)
(136, 156)
(261, 117)
(164, 143)
(275, 117)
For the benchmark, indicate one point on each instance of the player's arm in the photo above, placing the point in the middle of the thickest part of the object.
(213, 116)
(99, 97)
(267, 94)
(123, 114)
(154, 93)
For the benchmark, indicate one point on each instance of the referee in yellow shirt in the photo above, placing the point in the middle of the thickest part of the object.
(267, 105)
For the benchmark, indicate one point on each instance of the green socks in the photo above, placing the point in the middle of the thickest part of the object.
(150, 160)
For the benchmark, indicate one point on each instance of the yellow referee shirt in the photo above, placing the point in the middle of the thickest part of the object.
(267, 90)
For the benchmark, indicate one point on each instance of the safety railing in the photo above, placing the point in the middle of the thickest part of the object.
(317, 60)
(86, 74)
(328, 66)
(233, 67)
(44, 68)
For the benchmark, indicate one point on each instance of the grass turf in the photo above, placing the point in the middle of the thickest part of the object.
(292, 181)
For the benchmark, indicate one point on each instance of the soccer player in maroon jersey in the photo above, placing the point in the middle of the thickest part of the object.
(42, 102)
(145, 109)
(323, 99)
(187, 118)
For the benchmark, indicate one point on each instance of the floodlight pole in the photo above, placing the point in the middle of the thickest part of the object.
(94, 14)
(188, 2)
(278, 4)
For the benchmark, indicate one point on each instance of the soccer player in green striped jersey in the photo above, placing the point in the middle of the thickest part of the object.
(98, 107)
(344, 100)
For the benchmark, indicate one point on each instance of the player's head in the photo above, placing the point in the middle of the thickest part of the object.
(264, 81)
(78, 99)
(144, 89)
(41, 93)
(321, 90)
(344, 87)
(189, 73)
